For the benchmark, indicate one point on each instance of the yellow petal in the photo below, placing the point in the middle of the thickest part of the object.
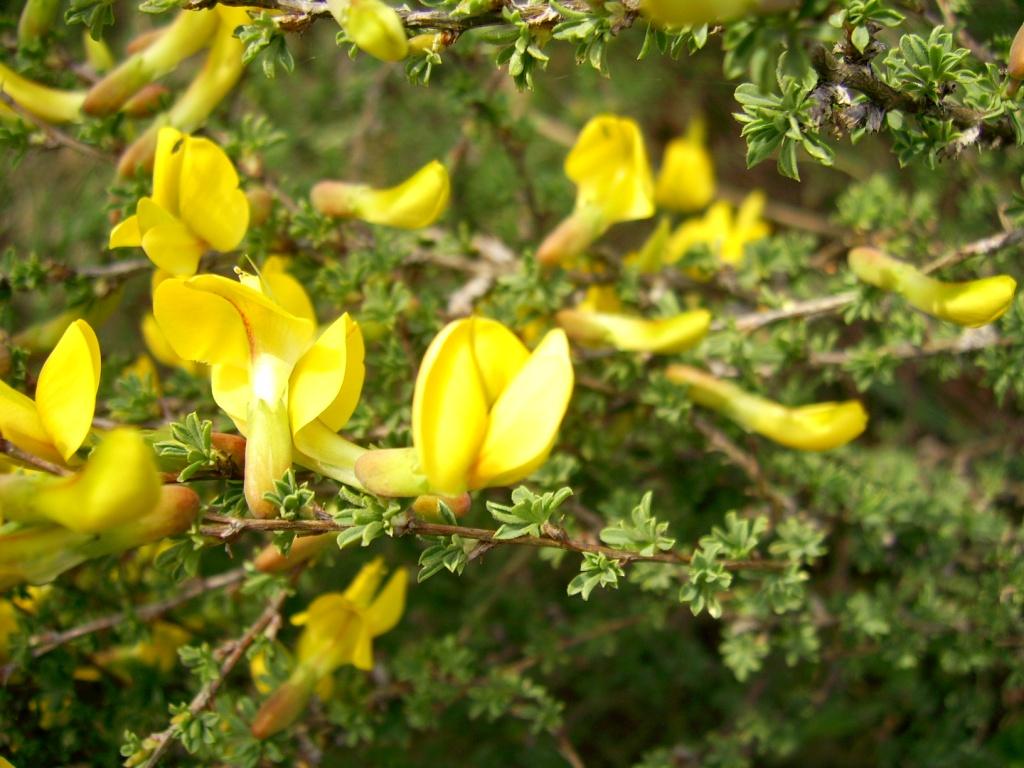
(500, 355)
(679, 13)
(167, 241)
(126, 234)
(363, 586)
(663, 335)
(609, 166)
(417, 202)
(170, 150)
(328, 376)
(211, 203)
(686, 181)
(817, 427)
(285, 289)
(449, 409)
(387, 607)
(972, 304)
(66, 392)
(20, 423)
(377, 29)
(200, 325)
(524, 421)
(362, 651)
(158, 347)
(232, 391)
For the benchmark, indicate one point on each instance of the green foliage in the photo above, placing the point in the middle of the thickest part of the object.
(528, 514)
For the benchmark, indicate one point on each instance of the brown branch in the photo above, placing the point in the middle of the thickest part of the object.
(45, 642)
(159, 743)
(226, 528)
(20, 456)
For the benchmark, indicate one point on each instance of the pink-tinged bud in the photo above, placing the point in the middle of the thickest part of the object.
(429, 506)
(261, 204)
(304, 548)
(37, 19)
(147, 101)
(233, 448)
(284, 706)
(140, 153)
(572, 236)
(1015, 61)
(142, 41)
(268, 453)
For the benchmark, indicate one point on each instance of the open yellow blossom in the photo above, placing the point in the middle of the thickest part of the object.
(726, 233)
(37, 554)
(613, 181)
(817, 427)
(972, 303)
(276, 383)
(485, 412)
(374, 26)
(338, 629)
(629, 333)
(686, 181)
(56, 423)
(196, 205)
(118, 483)
(415, 203)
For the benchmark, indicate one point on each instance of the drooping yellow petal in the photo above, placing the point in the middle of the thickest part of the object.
(449, 409)
(126, 234)
(376, 28)
(524, 421)
(500, 355)
(318, 379)
(362, 650)
(167, 168)
(340, 410)
(609, 166)
(973, 303)
(386, 609)
(158, 347)
(66, 392)
(363, 586)
(211, 203)
(20, 423)
(686, 181)
(817, 427)
(628, 333)
(200, 325)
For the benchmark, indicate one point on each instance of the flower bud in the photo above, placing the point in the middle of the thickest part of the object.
(686, 181)
(268, 452)
(1015, 61)
(972, 303)
(415, 203)
(261, 204)
(270, 559)
(48, 104)
(429, 507)
(97, 54)
(36, 20)
(175, 510)
(392, 472)
(147, 101)
(284, 706)
(817, 427)
(374, 26)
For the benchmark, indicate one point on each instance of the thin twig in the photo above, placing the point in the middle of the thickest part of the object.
(20, 456)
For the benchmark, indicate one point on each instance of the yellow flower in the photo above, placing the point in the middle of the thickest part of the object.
(54, 426)
(727, 234)
(338, 629)
(37, 554)
(973, 303)
(635, 334)
(49, 104)
(686, 181)
(188, 33)
(485, 412)
(268, 375)
(196, 205)
(159, 651)
(613, 181)
(818, 427)
(374, 26)
(118, 483)
(415, 203)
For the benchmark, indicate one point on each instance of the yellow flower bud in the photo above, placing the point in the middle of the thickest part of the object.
(973, 303)
(36, 20)
(635, 334)
(613, 181)
(680, 13)
(270, 559)
(486, 412)
(818, 427)
(48, 104)
(374, 26)
(415, 203)
(97, 53)
(686, 181)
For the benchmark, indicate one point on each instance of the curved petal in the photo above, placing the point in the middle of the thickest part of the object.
(387, 607)
(499, 353)
(167, 241)
(319, 376)
(285, 289)
(232, 392)
(416, 202)
(363, 587)
(635, 334)
(20, 423)
(525, 420)
(170, 150)
(160, 349)
(449, 409)
(66, 392)
(609, 165)
(341, 408)
(126, 234)
(210, 201)
(200, 325)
